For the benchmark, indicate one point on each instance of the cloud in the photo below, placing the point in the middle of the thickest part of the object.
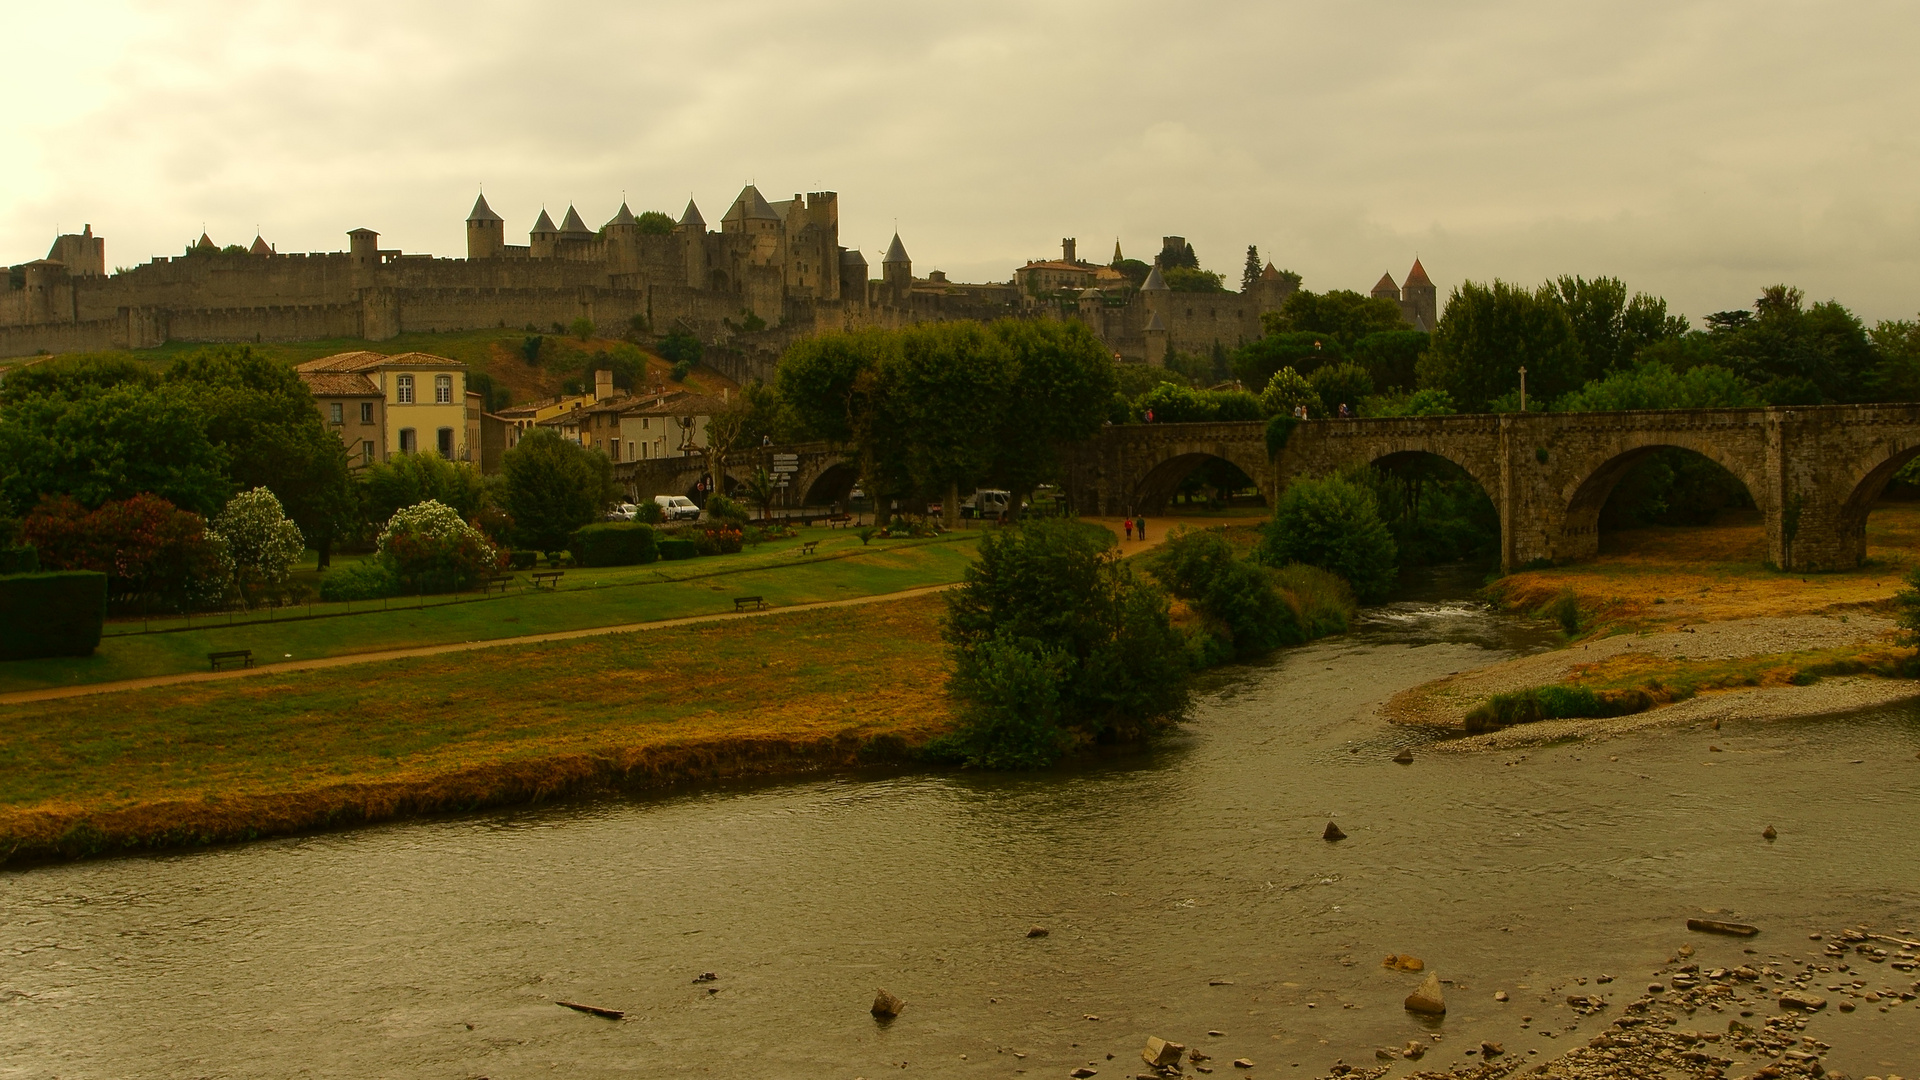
(1700, 150)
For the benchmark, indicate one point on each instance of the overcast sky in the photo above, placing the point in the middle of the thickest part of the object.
(1698, 150)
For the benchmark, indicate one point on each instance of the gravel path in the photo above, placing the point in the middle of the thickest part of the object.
(1446, 702)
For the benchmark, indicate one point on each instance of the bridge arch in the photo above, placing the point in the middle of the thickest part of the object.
(1156, 487)
(1593, 478)
(830, 484)
(1864, 484)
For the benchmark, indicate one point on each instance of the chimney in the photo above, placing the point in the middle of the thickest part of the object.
(602, 385)
(1066, 249)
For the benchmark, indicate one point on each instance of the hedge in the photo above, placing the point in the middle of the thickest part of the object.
(618, 543)
(678, 548)
(24, 559)
(367, 580)
(52, 614)
(523, 560)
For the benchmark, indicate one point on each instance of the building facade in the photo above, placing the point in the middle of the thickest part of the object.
(383, 405)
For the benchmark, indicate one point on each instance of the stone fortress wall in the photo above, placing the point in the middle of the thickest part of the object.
(780, 263)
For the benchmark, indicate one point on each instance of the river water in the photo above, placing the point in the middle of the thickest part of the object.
(1185, 890)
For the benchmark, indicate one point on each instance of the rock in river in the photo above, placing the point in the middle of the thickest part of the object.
(1333, 833)
(1801, 999)
(886, 1006)
(1160, 1053)
(1427, 998)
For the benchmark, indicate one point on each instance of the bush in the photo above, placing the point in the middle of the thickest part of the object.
(145, 545)
(648, 512)
(678, 547)
(722, 510)
(1555, 703)
(725, 540)
(1341, 384)
(619, 543)
(1333, 523)
(58, 613)
(431, 550)
(367, 580)
(1010, 712)
(1245, 608)
(260, 540)
(24, 559)
(1288, 390)
(523, 560)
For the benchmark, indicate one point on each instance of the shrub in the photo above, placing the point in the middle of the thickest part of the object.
(58, 613)
(24, 559)
(259, 538)
(431, 550)
(1010, 712)
(1322, 599)
(678, 547)
(1341, 384)
(367, 580)
(726, 540)
(721, 509)
(648, 512)
(1555, 703)
(1333, 523)
(619, 543)
(553, 486)
(1288, 390)
(1243, 607)
(145, 545)
(523, 560)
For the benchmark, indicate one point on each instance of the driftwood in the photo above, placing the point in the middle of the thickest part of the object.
(1895, 941)
(1715, 926)
(595, 1010)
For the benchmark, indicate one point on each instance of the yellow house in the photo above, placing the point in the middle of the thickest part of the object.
(401, 404)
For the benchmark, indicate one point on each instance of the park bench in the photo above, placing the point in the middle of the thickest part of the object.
(244, 656)
(493, 581)
(839, 521)
(749, 603)
(548, 579)
(807, 548)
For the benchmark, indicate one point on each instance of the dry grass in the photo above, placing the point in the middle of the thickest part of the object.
(1667, 680)
(276, 754)
(1654, 577)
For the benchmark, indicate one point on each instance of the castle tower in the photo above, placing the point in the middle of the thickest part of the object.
(1272, 289)
(1157, 298)
(853, 275)
(1156, 340)
(572, 228)
(363, 246)
(486, 232)
(260, 246)
(692, 231)
(1116, 252)
(896, 271)
(1385, 289)
(83, 254)
(540, 240)
(1419, 300)
(1066, 249)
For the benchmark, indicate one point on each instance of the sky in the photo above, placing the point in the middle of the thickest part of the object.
(1698, 150)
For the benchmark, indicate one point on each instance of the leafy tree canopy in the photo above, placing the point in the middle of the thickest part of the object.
(552, 487)
(655, 223)
(1344, 314)
(1334, 523)
(1193, 279)
(109, 443)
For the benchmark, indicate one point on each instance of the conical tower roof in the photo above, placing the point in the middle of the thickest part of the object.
(1269, 273)
(752, 205)
(692, 216)
(1385, 285)
(544, 224)
(624, 217)
(571, 225)
(482, 212)
(1154, 323)
(205, 243)
(1116, 251)
(1418, 276)
(852, 257)
(1154, 282)
(896, 252)
(260, 246)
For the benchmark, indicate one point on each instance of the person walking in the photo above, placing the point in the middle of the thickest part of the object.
(1140, 527)
(1129, 528)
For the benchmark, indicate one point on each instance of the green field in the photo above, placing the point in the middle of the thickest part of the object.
(841, 568)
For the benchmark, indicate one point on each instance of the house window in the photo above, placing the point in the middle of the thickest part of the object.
(443, 389)
(366, 412)
(629, 450)
(446, 442)
(403, 389)
(366, 452)
(337, 412)
(407, 441)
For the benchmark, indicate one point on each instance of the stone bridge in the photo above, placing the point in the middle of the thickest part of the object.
(1814, 472)
(827, 472)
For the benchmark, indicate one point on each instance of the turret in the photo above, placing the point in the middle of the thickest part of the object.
(1155, 295)
(572, 228)
(1156, 340)
(853, 275)
(1419, 299)
(692, 232)
(540, 239)
(486, 232)
(1385, 289)
(363, 245)
(896, 271)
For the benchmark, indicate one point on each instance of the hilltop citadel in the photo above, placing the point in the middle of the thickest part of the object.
(773, 272)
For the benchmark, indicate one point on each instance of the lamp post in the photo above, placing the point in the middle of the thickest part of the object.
(1523, 389)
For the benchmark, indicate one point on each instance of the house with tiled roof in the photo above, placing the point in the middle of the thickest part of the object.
(381, 405)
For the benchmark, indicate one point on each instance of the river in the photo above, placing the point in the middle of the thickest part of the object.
(1185, 890)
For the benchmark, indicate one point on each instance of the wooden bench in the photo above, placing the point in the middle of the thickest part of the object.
(245, 656)
(749, 603)
(548, 579)
(491, 581)
(807, 548)
(839, 521)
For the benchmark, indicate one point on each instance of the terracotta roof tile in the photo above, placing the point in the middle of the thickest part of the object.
(339, 384)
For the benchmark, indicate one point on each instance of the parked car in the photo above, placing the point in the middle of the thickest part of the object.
(623, 512)
(676, 508)
(986, 503)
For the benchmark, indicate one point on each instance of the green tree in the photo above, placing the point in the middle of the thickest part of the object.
(655, 223)
(1193, 279)
(1488, 333)
(943, 392)
(1332, 522)
(1239, 600)
(552, 487)
(260, 412)
(1063, 380)
(1392, 357)
(1654, 385)
(1250, 272)
(409, 479)
(1346, 315)
(1795, 354)
(683, 351)
(261, 541)
(109, 443)
(1612, 328)
(1897, 344)
(1255, 362)
(72, 375)
(1287, 391)
(1134, 271)
(1342, 384)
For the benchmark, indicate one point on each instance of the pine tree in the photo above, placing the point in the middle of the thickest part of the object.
(1251, 273)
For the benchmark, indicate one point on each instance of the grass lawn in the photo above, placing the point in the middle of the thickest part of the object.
(1651, 577)
(275, 753)
(841, 568)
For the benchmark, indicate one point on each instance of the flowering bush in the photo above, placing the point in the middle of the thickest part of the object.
(145, 545)
(260, 539)
(721, 541)
(432, 550)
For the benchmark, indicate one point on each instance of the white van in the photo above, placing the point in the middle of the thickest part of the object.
(676, 508)
(986, 503)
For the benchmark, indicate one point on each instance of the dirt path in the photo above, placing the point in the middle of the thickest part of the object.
(1159, 527)
(54, 693)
